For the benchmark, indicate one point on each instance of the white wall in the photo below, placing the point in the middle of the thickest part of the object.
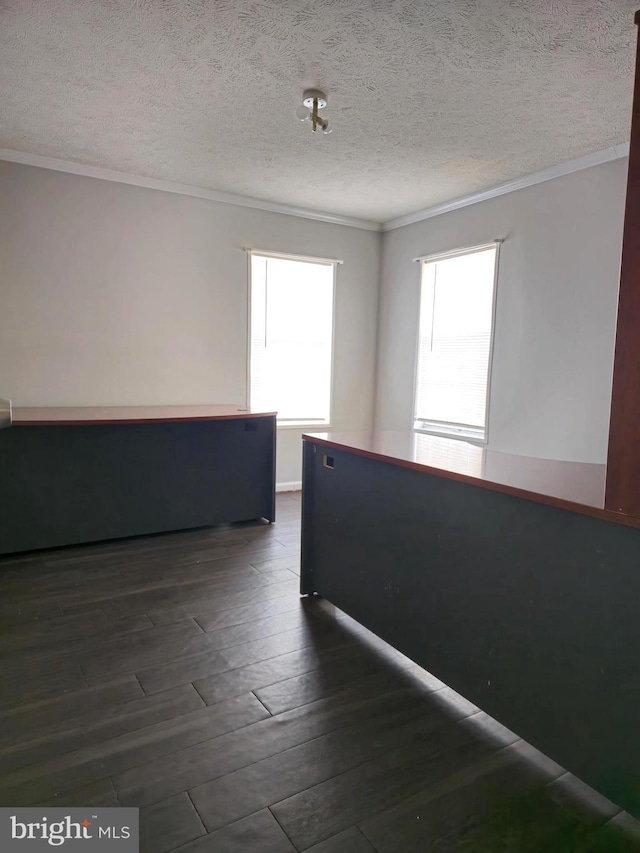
(115, 295)
(556, 311)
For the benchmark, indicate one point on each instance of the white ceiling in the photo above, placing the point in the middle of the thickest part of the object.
(430, 99)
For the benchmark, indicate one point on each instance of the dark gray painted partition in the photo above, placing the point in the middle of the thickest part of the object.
(528, 610)
(68, 484)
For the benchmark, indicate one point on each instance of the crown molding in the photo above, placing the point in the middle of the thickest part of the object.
(608, 154)
(72, 168)
(615, 152)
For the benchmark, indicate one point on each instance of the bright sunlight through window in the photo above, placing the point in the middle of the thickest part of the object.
(455, 338)
(291, 338)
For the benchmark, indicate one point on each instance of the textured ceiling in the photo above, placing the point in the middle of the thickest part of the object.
(429, 99)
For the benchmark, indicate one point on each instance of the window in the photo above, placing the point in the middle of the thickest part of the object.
(291, 337)
(459, 456)
(454, 346)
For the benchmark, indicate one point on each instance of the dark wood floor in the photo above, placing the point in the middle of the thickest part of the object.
(183, 674)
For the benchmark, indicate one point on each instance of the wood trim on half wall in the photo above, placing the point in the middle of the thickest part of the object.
(623, 459)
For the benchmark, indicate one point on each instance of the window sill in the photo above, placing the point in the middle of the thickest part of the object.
(457, 435)
(306, 426)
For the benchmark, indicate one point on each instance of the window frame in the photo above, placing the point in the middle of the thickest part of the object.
(301, 424)
(441, 428)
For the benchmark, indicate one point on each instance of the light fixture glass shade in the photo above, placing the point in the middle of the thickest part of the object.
(302, 113)
(327, 128)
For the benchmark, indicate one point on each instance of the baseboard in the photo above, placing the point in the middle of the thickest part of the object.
(293, 486)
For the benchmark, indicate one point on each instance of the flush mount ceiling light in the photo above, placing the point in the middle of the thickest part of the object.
(314, 100)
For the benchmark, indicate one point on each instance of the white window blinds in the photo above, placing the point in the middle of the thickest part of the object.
(454, 348)
(291, 335)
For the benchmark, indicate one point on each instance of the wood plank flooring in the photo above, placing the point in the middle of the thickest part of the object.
(183, 674)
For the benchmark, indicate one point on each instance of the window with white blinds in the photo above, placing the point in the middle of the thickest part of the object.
(455, 339)
(291, 338)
